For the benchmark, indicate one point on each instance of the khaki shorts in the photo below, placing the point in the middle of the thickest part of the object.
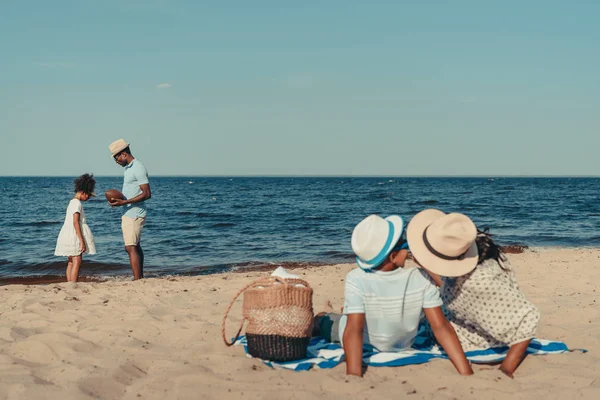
(132, 230)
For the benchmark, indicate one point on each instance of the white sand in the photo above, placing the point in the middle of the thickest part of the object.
(160, 339)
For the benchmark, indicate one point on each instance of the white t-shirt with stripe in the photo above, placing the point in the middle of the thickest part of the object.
(392, 302)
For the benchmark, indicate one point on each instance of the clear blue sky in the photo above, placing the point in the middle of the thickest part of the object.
(301, 87)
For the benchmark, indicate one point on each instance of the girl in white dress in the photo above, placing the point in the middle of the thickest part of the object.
(75, 237)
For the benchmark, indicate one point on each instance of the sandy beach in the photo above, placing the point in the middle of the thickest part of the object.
(160, 339)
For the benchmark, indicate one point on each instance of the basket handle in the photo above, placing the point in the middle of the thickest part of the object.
(242, 290)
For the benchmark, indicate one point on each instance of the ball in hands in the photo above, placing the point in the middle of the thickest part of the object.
(113, 194)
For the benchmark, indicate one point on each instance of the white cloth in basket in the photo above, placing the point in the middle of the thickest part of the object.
(281, 272)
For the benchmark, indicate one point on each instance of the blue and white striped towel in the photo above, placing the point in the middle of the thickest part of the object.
(322, 354)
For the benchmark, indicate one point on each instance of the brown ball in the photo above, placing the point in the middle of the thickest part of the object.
(114, 194)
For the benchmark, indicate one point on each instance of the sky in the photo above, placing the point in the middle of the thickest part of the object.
(388, 88)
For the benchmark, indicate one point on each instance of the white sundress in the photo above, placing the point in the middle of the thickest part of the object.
(67, 244)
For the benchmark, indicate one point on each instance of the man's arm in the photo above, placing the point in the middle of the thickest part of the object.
(145, 195)
(353, 343)
(446, 336)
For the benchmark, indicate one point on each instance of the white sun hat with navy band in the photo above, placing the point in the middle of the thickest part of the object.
(374, 238)
(443, 243)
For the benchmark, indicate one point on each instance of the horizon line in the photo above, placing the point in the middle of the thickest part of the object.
(317, 176)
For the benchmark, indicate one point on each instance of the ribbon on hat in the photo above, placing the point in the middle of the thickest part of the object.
(437, 253)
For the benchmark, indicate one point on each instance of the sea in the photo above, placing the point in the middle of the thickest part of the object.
(203, 225)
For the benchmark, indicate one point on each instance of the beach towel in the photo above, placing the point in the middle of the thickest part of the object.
(322, 354)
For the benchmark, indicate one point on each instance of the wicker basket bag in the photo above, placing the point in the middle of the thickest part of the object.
(280, 315)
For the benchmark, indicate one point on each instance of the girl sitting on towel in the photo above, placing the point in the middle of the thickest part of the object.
(383, 301)
(483, 301)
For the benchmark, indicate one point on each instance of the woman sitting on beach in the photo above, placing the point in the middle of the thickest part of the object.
(477, 285)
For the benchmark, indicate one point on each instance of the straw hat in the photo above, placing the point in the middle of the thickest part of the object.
(117, 146)
(374, 238)
(443, 243)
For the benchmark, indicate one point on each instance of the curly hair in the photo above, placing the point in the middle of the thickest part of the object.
(85, 183)
(487, 248)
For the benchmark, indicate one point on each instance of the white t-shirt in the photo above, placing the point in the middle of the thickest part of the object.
(392, 302)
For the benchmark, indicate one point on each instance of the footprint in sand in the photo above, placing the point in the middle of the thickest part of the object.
(102, 388)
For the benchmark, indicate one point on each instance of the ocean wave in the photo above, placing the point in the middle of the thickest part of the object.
(270, 266)
(222, 225)
(335, 253)
(36, 223)
(317, 217)
(376, 196)
(303, 228)
(215, 215)
(188, 227)
(184, 246)
(57, 268)
(185, 213)
(298, 218)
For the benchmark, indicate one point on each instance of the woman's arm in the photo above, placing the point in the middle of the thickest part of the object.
(77, 225)
(513, 359)
(446, 336)
(353, 343)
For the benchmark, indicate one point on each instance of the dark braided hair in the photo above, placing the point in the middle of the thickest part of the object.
(85, 183)
(487, 248)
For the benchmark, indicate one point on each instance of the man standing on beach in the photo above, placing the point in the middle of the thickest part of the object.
(136, 190)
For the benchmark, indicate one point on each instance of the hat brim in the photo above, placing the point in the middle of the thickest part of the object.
(428, 260)
(119, 149)
(398, 224)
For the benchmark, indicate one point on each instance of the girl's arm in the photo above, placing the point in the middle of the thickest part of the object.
(513, 359)
(446, 336)
(353, 343)
(77, 225)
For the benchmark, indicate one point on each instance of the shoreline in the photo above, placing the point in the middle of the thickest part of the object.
(51, 279)
(48, 279)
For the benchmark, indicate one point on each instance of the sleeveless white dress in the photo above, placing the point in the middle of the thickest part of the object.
(68, 243)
